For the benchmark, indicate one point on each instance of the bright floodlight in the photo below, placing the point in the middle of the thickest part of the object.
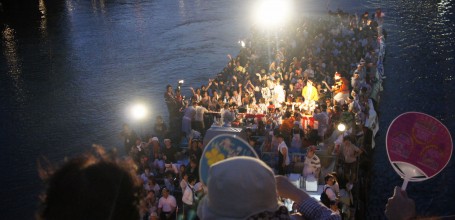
(138, 111)
(242, 43)
(341, 127)
(272, 12)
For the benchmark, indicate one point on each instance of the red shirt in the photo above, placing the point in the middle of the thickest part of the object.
(344, 88)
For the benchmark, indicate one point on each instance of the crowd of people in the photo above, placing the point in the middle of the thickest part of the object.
(320, 74)
(100, 185)
(294, 89)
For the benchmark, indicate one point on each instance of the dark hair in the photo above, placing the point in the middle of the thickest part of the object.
(191, 178)
(151, 179)
(327, 177)
(287, 114)
(347, 138)
(324, 107)
(344, 107)
(194, 160)
(334, 174)
(89, 187)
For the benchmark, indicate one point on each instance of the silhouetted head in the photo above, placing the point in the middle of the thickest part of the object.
(90, 187)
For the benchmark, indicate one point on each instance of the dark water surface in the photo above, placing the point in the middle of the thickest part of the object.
(420, 77)
(69, 74)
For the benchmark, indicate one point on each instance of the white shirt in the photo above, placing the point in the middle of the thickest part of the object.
(330, 193)
(266, 93)
(187, 197)
(155, 188)
(167, 204)
(183, 185)
(200, 110)
(279, 94)
(280, 149)
(349, 153)
(238, 99)
(262, 108)
(323, 122)
(311, 165)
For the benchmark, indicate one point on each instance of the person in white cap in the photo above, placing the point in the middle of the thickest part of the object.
(238, 193)
(154, 144)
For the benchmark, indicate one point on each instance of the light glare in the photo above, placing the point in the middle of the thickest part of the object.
(138, 111)
(272, 12)
(341, 127)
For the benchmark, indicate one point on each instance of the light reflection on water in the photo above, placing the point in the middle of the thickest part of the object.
(14, 62)
(444, 7)
(100, 4)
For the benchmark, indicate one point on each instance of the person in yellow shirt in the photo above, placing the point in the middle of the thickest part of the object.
(310, 95)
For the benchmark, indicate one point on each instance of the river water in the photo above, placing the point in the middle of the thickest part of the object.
(68, 76)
